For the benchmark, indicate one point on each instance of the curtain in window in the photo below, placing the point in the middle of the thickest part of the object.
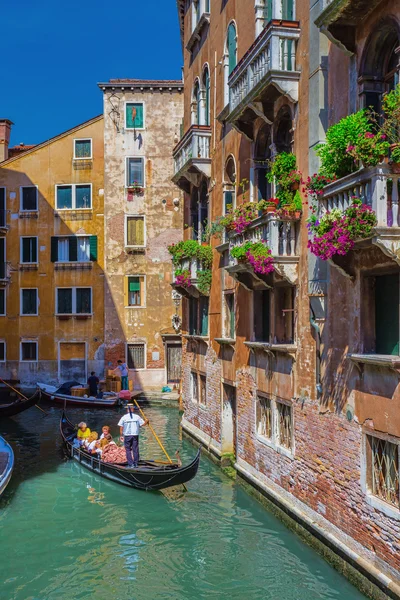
(29, 250)
(83, 148)
(232, 47)
(136, 356)
(29, 302)
(29, 198)
(134, 115)
(82, 196)
(63, 249)
(135, 231)
(64, 301)
(83, 300)
(134, 291)
(64, 196)
(29, 351)
(135, 171)
(83, 249)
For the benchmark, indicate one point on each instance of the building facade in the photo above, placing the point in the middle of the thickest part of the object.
(143, 215)
(51, 257)
(282, 370)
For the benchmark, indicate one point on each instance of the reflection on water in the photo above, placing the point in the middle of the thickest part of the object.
(68, 534)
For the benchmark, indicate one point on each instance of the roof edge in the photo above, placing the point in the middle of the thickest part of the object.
(153, 84)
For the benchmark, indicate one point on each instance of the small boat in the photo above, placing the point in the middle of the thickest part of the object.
(13, 408)
(63, 395)
(149, 475)
(6, 464)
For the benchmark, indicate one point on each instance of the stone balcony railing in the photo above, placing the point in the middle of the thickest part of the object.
(192, 157)
(379, 188)
(270, 61)
(282, 237)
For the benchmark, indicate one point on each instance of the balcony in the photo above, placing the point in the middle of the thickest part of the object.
(193, 266)
(192, 157)
(266, 71)
(200, 21)
(282, 236)
(379, 188)
(339, 20)
(3, 221)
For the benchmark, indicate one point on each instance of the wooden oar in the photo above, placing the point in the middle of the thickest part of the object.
(157, 438)
(21, 394)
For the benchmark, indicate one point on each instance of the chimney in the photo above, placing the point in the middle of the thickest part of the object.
(5, 130)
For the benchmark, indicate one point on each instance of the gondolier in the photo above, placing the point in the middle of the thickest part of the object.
(130, 425)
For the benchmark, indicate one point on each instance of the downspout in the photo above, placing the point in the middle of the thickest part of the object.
(315, 326)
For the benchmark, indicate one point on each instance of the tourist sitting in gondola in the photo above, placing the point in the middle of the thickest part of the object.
(105, 430)
(90, 442)
(113, 453)
(82, 435)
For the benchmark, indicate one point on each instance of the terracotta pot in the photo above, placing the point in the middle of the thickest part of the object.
(396, 168)
(270, 209)
(295, 185)
(297, 214)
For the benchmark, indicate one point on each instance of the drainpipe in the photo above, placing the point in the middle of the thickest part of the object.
(315, 326)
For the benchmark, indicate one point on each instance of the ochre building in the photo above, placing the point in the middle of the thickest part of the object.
(292, 374)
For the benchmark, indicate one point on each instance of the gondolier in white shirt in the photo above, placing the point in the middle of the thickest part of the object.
(130, 425)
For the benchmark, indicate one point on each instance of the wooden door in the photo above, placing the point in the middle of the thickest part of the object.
(174, 363)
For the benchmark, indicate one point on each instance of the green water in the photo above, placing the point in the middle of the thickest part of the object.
(61, 540)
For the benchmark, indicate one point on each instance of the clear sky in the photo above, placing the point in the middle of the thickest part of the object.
(54, 52)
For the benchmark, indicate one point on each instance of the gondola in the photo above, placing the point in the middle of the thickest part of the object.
(149, 475)
(6, 464)
(13, 408)
(61, 395)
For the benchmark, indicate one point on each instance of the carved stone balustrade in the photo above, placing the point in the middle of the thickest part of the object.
(192, 157)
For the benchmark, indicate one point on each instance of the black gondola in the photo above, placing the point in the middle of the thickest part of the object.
(150, 475)
(13, 408)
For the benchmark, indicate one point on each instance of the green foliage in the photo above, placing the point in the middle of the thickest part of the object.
(281, 166)
(297, 201)
(204, 279)
(190, 249)
(395, 154)
(391, 102)
(239, 252)
(205, 255)
(335, 160)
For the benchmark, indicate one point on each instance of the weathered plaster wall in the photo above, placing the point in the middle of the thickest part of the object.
(163, 223)
(46, 166)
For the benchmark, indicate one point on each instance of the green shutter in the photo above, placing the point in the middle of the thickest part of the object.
(232, 316)
(134, 284)
(232, 50)
(207, 86)
(134, 115)
(268, 11)
(73, 249)
(54, 249)
(288, 10)
(93, 247)
(204, 316)
(387, 314)
(228, 202)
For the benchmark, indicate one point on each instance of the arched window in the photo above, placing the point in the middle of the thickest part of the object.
(196, 104)
(232, 47)
(262, 155)
(379, 72)
(229, 185)
(283, 135)
(206, 91)
(194, 213)
(203, 211)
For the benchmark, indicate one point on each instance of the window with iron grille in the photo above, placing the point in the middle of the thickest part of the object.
(2, 351)
(264, 417)
(383, 467)
(83, 148)
(29, 351)
(203, 390)
(284, 423)
(135, 232)
(29, 198)
(136, 356)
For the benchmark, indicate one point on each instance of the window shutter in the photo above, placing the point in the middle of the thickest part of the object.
(268, 10)
(93, 248)
(228, 201)
(387, 314)
(204, 316)
(288, 11)
(73, 248)
(231, 47)
(54, 249)
(140, 232)
(134, 284)
(134, 116)
(207, 85)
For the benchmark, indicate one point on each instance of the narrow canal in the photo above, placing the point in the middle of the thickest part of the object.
(66, 533)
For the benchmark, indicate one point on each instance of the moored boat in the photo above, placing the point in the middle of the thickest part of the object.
(6, 464)
(63, 396)
(19, 405)
(149, 475)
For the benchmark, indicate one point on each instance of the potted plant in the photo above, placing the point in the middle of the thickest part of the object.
(370, 148)
(268, 206)
(257, 254)
(395, 158)
(314, 186)
(135, 188)
(182, 278)
(297, 205)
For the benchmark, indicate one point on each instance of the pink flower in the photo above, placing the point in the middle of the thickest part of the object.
(369, 135)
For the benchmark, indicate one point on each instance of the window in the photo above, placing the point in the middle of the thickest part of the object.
(264, 417)
(2, 302)
(3, 214)
(134, 115)
(29, 301)
(74, 301)
(284, 423)
(267, 11)
(29, 351)
(3, 264)
(198, 316)
(380, 314)
(203, 390)
(74, 197)
(194, 384)
(135, 172)
(284, 315)
(383, 469)
(82, 248)
(136, 356)
(206, 87)
(29, 250)
(232, 47)
(2, 351)
(135, 231)
(228, 312)
(29, 198)
(261, 315)
(83, 148)
(196, 101)
(134, 290)
(288, 10)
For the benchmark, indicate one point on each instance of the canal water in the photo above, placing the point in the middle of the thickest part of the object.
(68, 534)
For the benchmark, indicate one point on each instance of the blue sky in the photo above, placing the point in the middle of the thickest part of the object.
(55, 53)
